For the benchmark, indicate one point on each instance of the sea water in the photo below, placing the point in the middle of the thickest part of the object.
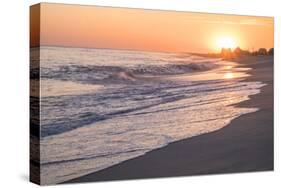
(101, 107)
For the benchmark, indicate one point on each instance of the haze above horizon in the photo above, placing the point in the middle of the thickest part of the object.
(150, 30)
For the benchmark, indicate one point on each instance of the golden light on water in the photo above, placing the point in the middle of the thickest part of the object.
(228, 75)
(228, 67)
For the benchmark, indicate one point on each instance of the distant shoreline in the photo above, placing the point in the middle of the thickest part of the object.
(245, 145)
(124, 49)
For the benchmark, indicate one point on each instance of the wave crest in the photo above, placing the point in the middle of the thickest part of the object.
(116, 74)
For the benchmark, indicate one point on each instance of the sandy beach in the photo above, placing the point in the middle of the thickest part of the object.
(245, 145)
(167, 94)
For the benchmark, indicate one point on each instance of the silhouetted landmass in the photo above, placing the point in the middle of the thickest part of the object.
(227, 53)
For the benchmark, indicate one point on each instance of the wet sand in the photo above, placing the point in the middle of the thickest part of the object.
(245, 145)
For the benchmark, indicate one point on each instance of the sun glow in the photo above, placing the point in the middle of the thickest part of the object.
(226, 42)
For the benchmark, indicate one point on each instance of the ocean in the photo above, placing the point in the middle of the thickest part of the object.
(101, 107)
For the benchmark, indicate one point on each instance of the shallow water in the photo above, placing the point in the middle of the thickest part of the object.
(101, 107)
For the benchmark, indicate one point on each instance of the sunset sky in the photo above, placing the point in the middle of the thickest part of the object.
(150, 30)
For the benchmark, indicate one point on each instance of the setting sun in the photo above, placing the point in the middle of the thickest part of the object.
(117, 89)
(226, 42)
(196, 32)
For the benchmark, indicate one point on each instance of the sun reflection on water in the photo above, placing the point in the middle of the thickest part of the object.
(228, 75)
(228, 67)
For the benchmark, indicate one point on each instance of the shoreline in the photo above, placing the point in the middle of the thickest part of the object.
(244, 145)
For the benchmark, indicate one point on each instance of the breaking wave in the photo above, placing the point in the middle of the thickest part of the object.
(114, 74)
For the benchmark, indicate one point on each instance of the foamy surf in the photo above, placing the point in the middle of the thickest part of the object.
(147, 101)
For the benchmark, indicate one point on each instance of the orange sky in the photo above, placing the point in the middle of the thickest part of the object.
(149, 30)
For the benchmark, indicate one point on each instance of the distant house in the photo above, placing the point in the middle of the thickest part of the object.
(238, 52)
(262, 51)
(226, 53)
(271, 51)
